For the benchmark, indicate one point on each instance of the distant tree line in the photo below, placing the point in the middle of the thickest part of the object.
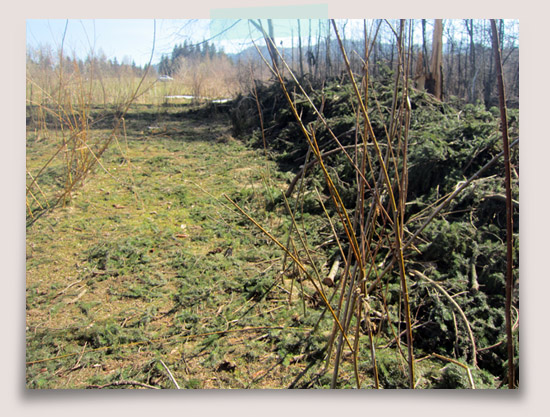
(45, 60)
(170, 64)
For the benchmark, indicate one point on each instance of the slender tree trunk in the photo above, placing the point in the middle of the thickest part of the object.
(366, 68)
(309, 47)
(501, 34)
(328, 63)
(411, 48)
(421, 67)
(393, 46)
(292, 50)
(459, 76)
(473, 69)
(375, 59)
(450, 68)
(271, 45)
(300, 54)
(317, 53)
(488, 85)
(509, 219)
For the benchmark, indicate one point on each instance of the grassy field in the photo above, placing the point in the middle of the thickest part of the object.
(149, 277)
(149, 268)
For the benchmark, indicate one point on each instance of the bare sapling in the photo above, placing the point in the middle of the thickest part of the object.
(509, 208)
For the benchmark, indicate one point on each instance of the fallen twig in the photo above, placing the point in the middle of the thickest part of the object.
(69, 286)
(78, 297)
(170, 374)
(121, 383)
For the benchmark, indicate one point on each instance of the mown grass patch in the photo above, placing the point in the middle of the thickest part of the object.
(147, 262)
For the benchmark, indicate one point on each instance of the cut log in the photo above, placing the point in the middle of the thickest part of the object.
(331, 278)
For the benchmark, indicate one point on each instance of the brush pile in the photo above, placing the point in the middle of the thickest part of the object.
(461, 255)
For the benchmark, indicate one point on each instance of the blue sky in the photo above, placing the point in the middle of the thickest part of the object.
(120, 38)
(132, 39)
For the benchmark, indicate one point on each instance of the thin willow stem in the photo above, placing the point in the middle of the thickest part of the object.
(509, 218)
(396, 216)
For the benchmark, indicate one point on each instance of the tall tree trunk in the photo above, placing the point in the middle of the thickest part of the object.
(488, 85)
(317, 53)
(309, 53)
(375, 59)
(300, 54)
(430, 77)
(424, 47)
(292, 49)
(435, 80)
(328, 63)
(473, 69)
(459, 70)
(450, 69)
(271, 45)
(420, 72)
(393, 46)
(366, 74)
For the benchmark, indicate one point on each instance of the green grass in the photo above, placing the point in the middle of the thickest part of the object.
(148, 262)
(135, 268)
